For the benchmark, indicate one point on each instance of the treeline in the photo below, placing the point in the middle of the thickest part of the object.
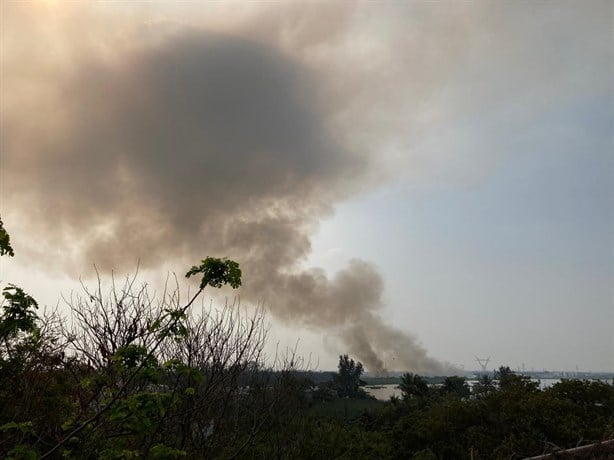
(506, 418)
(125, 375)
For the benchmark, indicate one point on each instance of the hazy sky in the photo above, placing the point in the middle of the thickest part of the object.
(412, 183)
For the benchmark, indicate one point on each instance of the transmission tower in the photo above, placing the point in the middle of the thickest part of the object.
(483, 362)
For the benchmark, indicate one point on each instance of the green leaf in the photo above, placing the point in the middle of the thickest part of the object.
(5, 242)
(23, 427)
(18, 314)
(190, 391)
(23, 452)
(217, 272)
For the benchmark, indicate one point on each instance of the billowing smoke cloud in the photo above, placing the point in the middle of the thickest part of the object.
(234, 138)
(203, 143)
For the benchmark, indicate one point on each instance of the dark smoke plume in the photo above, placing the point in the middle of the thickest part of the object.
(199, 144)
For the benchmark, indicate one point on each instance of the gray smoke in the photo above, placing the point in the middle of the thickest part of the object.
(196, 144)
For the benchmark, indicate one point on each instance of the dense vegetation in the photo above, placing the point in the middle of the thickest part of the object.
(131, 376)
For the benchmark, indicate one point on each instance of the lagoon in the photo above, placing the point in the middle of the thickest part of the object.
(384, 392)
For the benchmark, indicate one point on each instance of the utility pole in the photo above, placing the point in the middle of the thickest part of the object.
(483, 362)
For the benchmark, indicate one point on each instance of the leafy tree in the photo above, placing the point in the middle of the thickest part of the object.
(509, 380)
(127, 340)
(515, 422)
(585, 393)
(348, 379)
(413, 386)
(217, 273)
(483, 386)
(5, 242)
(33, 385)
(18, 313)
(456, 386)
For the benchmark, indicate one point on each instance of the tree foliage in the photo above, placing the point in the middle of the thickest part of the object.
(217, 273)
(413, 386)
(19, 312)
(5, 242)
(348, 378)
(456, 386)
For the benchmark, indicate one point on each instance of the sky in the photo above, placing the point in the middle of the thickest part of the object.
(412, 183)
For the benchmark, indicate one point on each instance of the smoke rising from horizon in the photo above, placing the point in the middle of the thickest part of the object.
(204, 144)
